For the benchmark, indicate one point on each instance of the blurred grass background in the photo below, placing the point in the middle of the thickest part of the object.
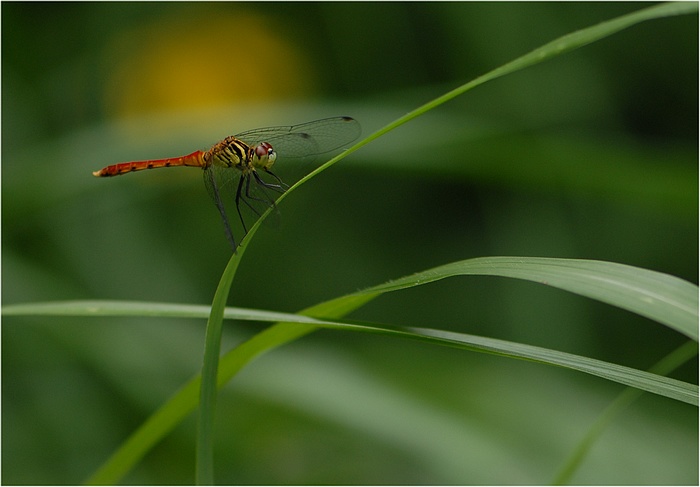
(592, 155)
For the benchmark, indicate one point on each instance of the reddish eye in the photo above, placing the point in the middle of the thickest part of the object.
(263, 150)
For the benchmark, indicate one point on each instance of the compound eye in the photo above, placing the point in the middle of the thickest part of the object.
(264, 150)
(265, 155)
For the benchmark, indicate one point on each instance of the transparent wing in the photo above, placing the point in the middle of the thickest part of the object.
(306, 139)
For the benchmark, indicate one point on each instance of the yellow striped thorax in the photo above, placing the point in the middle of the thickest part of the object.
(233, 152)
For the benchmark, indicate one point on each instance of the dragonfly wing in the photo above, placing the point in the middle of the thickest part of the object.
(306, 139)
(218, 185)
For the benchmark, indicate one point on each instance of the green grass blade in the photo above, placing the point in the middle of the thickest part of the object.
(656, 384)
(599, 280)
(204, 469)
(297, 326)
(294, 326)
(665, 366)
(548, 51)
(154, 429)
(664, 298)
(204, 466)
(661, 297)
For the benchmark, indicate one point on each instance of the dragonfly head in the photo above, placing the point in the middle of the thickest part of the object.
(264, 156)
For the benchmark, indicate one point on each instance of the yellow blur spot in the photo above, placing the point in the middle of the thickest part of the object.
(206, 62)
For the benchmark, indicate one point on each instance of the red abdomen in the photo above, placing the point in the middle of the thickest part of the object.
(194, 160)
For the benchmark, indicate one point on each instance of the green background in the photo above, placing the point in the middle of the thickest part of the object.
(591, 155)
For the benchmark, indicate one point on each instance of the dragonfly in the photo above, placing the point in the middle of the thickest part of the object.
(241, 165)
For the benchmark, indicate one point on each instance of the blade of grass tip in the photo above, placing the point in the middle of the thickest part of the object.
(561, 45)
(661, 297)
(664, 367)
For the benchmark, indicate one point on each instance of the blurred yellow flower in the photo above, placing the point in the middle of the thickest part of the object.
(191, 63)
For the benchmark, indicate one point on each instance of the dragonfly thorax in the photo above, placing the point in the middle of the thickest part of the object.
(230, 152)
(233, 152)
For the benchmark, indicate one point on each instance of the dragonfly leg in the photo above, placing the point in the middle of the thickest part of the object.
(245, 193)
(238, 200)
(266, 202)
(281, 187)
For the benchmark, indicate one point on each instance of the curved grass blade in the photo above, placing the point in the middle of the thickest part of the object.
(663, 367)
(646, 292)
(600, 280)
(301, 324)
(661, 297)
(297, 326)
(559, 46)
(204, 466)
